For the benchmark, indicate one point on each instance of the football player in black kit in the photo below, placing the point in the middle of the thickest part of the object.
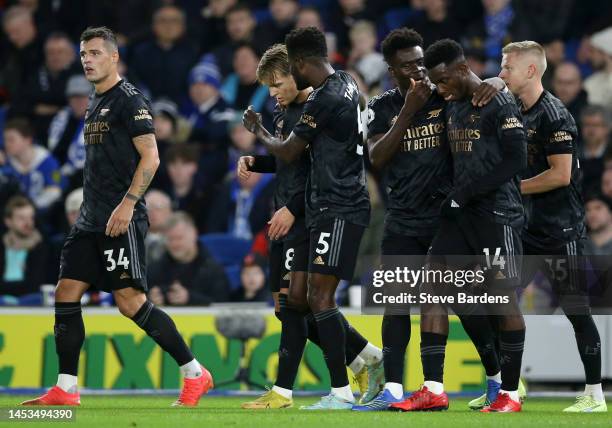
(483, 214)
(289, 245)
(337, 201)
(554, 236)
(106, 246)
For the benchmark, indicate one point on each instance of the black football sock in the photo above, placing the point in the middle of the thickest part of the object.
(589, 346)
(480, 332)
(292, 343)
(433, 348)
(69, 336)
(333, 342)
(395, 338)
(313, 336)
(160, 327)
(354, 340)
(511, 344)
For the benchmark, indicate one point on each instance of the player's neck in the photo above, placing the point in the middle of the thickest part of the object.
(104, 85)
(531, 95)
(321, 75)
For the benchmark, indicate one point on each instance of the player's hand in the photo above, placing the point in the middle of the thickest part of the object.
(417, 95)
(280, 223)
(120, 219)
(177, 294)
(156, 296)
(242, 171)
(487, 90)
(251, 119)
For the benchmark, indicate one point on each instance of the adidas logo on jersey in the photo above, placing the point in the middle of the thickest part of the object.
(318, 261)
(500, 275)
(125, 275)
(287, 277)
(454, 204)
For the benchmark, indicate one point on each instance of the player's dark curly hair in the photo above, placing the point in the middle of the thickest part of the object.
(305, 42)
(445, 51)
(104, 33)
(401, 38)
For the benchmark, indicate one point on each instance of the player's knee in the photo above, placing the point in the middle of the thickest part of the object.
(69, 290)
(319, 301)
(297, 300)
(129, 303)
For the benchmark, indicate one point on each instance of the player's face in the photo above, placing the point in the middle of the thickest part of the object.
(514, 72)
(22, 221)
(283, 89)
(298, 71)
(407, 64)
(449, 81)
(98, 61)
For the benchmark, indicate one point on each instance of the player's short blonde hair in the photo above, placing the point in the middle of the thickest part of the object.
(273, 63)
(528, 47)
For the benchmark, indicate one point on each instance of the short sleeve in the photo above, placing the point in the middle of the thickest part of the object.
(509, 123)
(558, 138)
(378, 122)
(137, 116)
(315, 117)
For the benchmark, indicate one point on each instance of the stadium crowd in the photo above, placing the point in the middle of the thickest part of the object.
(196, 60)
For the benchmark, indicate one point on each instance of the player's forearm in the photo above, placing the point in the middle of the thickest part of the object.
(145, 171)
(382, 150)
(276, 146)
(552, 178)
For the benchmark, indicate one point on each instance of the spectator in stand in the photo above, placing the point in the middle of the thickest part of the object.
(211, 25)
(240, 27)
(567, 86)
(65, 140)
(241, 89)
(344, 17)
(435, 23)
(606, 183)
(242, 208)
(283, 13)
(184, 190)
(210, 113)
(363, 56)
(555, 55)
(159, 210)
(32, 165)
(500, 25)
(45, 92)
(21, 55)
(162, 63)
(166, 121)
(186, 274)
(599, 84)
(595, 125)
(309, 16)
(23, 253)
(253, 284)
(599, 222)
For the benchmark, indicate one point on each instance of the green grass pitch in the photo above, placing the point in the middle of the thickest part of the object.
(154, 411)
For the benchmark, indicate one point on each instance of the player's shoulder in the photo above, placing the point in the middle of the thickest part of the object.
(383, 99)
(501, 102)
(553, 108)
(130, 94)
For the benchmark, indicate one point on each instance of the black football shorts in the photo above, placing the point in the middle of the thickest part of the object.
(107, 263)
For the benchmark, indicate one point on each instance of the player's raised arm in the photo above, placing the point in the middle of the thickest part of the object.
(382, 147)
(288, 150)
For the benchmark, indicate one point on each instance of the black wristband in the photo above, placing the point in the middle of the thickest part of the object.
(132, 197)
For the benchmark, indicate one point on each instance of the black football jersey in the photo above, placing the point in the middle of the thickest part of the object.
(290, 177)
(415, 173)
(556, 217)
(112, 120)
(332, 124)
(476, 136)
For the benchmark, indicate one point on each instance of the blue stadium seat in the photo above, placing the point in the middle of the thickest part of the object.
(225, 248)
(233, 276)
